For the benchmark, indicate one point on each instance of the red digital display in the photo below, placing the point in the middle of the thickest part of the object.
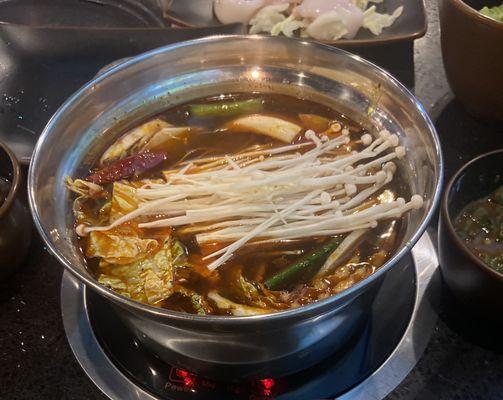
(183, 380)
(268, 383)
(182, 376)
(188, 379)
(265, 387)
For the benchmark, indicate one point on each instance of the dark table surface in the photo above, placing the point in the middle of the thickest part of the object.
(463, 361)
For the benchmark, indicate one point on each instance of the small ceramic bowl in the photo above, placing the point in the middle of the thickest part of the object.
(471, 281)
(15, 221)
(473, 60)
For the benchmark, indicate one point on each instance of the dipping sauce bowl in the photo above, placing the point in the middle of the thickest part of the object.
(474, 284)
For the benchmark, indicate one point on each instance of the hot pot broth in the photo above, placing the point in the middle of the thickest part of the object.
(203, 209)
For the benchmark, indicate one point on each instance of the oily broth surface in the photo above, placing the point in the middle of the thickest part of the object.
(218, 142)
(255, 262)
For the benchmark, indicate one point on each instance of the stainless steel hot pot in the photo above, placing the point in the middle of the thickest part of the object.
(103, 109)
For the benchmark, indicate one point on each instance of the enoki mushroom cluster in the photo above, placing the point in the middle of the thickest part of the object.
(268, 194)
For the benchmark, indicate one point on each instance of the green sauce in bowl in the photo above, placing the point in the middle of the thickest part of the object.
(480, 226)
(493, 12)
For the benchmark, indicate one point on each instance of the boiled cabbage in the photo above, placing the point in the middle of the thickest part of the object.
(328, 26)
(493, 12)
(376, 22)
(124, 200)
(287, 27)
(363, 4)
(149, 280)
(267, 18)
(121, 245)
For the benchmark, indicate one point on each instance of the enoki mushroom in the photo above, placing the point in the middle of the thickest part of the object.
(276, 193)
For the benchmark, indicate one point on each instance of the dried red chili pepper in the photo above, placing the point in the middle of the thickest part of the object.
(127, 167)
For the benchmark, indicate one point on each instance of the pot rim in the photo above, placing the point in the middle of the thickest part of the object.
(312, 308)
(450, 227)
(473, 13)
(16, 180)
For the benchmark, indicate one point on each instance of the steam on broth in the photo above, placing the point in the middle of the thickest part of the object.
(242, 204)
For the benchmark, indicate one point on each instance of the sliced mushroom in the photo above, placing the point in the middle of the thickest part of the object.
(84, 188)
(126, 142)
(315, 122)
(337, 256)
(274, 127)
(165, 137)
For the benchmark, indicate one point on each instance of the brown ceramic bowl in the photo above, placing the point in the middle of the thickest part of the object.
(472, 51)
(15, 221)
(472, 282)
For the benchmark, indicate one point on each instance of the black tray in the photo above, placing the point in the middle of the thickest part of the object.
(43, 66)
(84, 13)
(49, 48)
